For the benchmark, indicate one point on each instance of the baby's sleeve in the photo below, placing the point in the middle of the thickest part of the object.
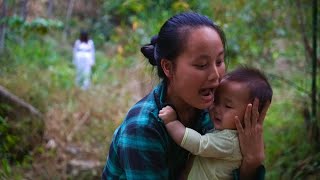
(218, 145)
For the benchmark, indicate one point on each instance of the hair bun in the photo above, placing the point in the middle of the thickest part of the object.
(148, 50)
(154, 40)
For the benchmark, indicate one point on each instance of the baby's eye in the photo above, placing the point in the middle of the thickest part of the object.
(219, 62)
(228, 106)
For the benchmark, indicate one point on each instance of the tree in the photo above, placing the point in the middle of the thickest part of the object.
(3, 25)
(311, 51)
(69, 13)
(24, 9)
(50, 8)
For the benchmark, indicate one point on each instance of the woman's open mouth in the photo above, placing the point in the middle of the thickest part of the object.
(207, 94)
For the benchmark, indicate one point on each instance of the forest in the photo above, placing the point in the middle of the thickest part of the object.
(52, 129)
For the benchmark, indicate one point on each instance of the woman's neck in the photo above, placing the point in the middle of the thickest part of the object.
(185, 112)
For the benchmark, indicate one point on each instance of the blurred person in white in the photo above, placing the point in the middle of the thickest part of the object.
(83, 59)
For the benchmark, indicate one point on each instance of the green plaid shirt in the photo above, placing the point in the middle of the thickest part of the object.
(141, 148)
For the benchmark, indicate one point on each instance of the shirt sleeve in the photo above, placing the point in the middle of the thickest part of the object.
(218, 145)
(141, 154)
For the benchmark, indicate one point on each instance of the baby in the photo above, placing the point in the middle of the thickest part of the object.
(218, 152)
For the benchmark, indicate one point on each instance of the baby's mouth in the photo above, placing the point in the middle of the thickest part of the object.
(217, 119)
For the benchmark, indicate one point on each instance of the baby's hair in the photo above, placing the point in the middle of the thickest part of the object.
(255, 80)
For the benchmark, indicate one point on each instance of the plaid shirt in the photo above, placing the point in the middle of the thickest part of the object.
(141, 148)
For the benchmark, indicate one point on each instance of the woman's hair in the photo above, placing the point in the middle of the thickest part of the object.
(170, 41)
(256, 82)
(84, 36)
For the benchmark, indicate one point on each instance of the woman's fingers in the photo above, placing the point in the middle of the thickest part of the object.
(247, 116)
(238, 124)
(264, 112)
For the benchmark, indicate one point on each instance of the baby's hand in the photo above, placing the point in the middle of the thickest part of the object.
(167, 114)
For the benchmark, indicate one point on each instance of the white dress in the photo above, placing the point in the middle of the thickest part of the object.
(83, 59)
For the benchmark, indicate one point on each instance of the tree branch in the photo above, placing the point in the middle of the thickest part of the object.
(9, 98)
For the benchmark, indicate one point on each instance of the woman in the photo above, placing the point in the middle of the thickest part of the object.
(83, 59)
(189, 53)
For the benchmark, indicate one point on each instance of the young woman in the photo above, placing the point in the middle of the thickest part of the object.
(83, 59)
(189, 53)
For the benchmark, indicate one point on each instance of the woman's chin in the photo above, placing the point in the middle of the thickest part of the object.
(204, 106)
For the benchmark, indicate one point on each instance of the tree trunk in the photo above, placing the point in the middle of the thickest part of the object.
(69, 13)
(24, 9)
(15, 102)
(50, 8)
(311, 119)
(3, 26)
(24, 122)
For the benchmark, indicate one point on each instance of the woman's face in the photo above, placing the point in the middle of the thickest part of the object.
(198, 69)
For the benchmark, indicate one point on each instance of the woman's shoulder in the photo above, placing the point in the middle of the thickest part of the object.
(144, 112)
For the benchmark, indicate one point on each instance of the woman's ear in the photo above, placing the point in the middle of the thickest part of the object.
(167, 68)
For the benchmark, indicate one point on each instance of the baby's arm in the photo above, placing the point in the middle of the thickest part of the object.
(174, 127)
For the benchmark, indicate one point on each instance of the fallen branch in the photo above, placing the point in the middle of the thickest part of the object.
(8, 98)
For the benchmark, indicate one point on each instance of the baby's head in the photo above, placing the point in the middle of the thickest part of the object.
(236, 90)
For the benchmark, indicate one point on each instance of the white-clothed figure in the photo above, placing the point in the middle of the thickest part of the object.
(83, 59)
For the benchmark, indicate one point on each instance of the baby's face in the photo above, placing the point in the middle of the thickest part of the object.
(231, 99)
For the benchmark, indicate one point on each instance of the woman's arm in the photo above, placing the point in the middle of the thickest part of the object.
(251, 140)
(74, 51)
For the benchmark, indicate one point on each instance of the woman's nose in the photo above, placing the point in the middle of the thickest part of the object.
(214, 74)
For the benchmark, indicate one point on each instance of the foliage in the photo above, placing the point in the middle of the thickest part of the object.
(18, 26)
(17, 141)
(37, 67)
(8, 141)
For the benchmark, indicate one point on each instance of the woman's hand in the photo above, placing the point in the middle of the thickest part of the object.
(251, 139)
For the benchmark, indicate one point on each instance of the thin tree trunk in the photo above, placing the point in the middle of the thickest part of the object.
(303, 31)
(311, 117)
(3, 26)
(69, 13)
(24, 9)
(50, 8)
(314, 73)
(8, 98)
